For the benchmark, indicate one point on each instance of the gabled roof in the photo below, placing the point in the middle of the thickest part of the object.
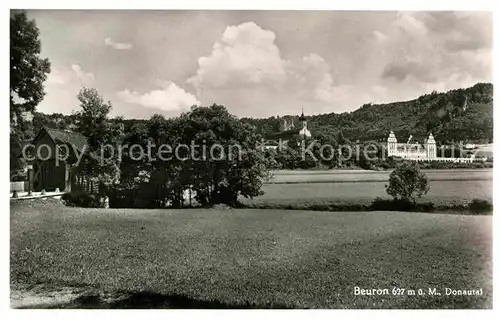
(77, 140)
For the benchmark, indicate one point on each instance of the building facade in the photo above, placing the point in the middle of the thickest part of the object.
(420, 152)
(53, 168)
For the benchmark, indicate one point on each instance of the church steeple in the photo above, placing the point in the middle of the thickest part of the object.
(304, 131)
(302, 118)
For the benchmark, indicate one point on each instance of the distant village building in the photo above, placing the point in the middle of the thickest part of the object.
(421, 152)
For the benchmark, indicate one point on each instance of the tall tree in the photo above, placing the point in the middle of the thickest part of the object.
(28, 71)
(103, 136)
(92, 119)
(236, 168)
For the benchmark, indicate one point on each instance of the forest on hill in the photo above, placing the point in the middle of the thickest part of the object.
(457, 115)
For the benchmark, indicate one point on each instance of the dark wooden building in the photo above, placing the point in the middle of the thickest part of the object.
(55, 155)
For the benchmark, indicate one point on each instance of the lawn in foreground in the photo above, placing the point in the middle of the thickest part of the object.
(297, 259)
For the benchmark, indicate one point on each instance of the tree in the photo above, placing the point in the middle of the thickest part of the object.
(341, 140)
(237, 168)
(28, 71)
(102, 165)
(92, 119)
(407, 182)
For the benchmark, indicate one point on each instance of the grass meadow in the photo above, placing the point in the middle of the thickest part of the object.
(358, 186)
(251, 258)
(341, 176)
(258, 258)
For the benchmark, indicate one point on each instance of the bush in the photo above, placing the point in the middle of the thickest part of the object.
(380, 204)
(121, 198)
(479, 206)
(81, 199)
(407, 182)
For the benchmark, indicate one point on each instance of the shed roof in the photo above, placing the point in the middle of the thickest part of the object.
(75, 139)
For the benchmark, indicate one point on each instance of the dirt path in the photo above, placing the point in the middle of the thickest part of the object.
(41, 296)
(51, 297)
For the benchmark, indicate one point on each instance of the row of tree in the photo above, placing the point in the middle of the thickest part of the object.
(154, 163)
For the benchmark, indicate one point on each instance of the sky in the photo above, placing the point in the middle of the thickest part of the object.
(259, 63)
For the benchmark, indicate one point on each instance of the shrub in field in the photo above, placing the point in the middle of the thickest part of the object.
(380, 204)
(425, 207)
(478, 206)
(81, 199)
(407, 182)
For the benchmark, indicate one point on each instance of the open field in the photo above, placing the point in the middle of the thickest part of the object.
(340, 176)
(440, 192)
(257, 258)
(292, 187)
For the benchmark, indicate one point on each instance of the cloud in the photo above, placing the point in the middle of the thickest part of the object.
(117, 45)
(276, 63)
(56, 77)
(245, 55)
(409, 23)
(380, 36)
(86, 77)
(411, 54)
(437, 50)
(170, 98)
(401, 70)
(461, 31)
(246, 61)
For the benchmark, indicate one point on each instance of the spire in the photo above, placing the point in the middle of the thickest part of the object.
(302, 117)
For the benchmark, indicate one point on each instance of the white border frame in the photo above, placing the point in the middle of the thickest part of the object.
(475, 5)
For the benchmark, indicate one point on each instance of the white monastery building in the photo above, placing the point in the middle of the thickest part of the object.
(420, 152)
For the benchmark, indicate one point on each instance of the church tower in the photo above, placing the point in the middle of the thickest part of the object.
(391, 144)
(431, 147)
(304, 132)
(303, 120)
